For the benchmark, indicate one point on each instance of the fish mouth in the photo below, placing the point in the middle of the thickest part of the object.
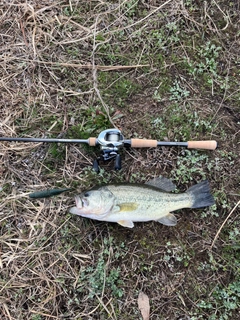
(81, 202)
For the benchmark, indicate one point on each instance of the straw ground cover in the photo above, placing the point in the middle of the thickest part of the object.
(166, 70)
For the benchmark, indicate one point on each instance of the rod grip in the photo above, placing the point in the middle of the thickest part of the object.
(92, 142)
(143, 143)
(208, 144)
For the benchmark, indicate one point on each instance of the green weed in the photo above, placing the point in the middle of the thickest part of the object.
(188, 165)
(206, 67)
(129, 8)
(159, 38)
(162, 88)
(163, 37)
(92, 178)
(181, 120)
(159, 127)
(234, 235)
(178, 92)
(175, 254)
(119, 88)
(207, 60)
(137, 177)
(102, 276)
(221, 303)
(36, 317)
(92, 121)
(57, 151)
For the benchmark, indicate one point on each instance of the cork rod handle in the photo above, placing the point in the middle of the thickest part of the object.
(209, 144)
(143, 143)
(92, 142)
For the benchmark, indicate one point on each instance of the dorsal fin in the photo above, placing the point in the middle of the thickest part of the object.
(162, 183)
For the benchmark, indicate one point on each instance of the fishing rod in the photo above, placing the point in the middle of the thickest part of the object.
(111, 140)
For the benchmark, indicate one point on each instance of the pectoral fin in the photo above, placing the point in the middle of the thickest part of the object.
(126, 223)
(168, 220)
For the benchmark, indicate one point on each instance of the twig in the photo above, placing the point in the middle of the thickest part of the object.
(43, 314)
(120, 29)
(7, 311)
(141, 20)
(94, 73)
(105, 307)
(85, 66)
(23, 32)
(226, 17)
(217, 234)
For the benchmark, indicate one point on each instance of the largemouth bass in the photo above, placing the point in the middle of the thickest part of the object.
(129, 203)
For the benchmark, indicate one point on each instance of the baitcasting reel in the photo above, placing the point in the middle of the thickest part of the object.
(110, 141)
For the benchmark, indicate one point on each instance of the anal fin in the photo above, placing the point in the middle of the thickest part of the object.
(168, 220)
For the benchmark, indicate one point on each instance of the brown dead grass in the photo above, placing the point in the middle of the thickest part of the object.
(49, 76)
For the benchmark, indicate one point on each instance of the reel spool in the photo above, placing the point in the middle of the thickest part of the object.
(110, 141)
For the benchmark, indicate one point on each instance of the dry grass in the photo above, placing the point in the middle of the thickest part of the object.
(72, 68)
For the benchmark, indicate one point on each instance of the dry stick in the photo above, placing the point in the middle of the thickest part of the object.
(216, 236)
(23, 32)
(105, 307)
(94, 73)
(224, 95)
(226, 17)
(26, 263)
(120, 29)
(7, 310)
(209, 17)
(43, 314)
(85, 66)
(138, 21)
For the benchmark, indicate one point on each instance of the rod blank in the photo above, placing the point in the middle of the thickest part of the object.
(45, 140)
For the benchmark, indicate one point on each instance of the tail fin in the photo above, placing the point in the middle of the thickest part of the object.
(201, 195)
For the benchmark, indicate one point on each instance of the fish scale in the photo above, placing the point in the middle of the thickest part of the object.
(149, 207)
(155, 200)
